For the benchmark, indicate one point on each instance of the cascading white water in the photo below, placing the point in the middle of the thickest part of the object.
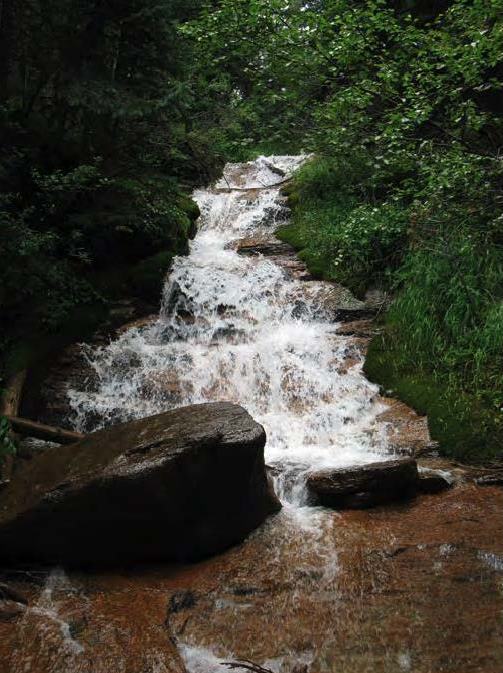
(239, 328)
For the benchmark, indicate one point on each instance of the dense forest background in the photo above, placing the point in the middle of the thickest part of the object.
(111, 111)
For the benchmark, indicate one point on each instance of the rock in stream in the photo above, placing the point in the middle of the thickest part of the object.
(177, 486)
(365, 485)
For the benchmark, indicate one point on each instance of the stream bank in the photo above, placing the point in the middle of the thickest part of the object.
(435, 349)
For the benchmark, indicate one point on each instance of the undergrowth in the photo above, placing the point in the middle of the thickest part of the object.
(340, 233)
(435, 244)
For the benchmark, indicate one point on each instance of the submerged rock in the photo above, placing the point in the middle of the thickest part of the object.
(8, 593)
(431, 481)
(177, 486)
(10, 611)
(336, 302)
(495, 479)
(269, 246)
(365, 485)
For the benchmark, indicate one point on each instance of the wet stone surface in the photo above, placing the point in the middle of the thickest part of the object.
(412, 587)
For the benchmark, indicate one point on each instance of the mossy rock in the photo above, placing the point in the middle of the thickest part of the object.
(191, 211)
(189, 207)
(147, 277)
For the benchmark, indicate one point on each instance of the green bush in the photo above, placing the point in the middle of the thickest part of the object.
(338, 236)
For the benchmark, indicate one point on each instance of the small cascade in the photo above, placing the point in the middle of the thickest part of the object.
(241, 328)
(45, 633)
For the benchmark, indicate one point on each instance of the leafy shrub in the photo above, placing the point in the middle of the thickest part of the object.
(340, 237)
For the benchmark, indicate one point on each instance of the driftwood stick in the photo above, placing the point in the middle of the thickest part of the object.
(250, 189)
(47, 432)
(246, 665)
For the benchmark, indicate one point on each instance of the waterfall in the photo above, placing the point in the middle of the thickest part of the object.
(243, 329)
(313, 589)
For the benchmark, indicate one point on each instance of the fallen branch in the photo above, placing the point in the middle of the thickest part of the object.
(246, 665)
(250, 189)
(27, 428)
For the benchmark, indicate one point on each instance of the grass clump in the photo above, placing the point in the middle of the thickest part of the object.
(442, 347)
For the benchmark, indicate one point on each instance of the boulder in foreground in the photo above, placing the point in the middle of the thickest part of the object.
(177, 486)
(365, 485)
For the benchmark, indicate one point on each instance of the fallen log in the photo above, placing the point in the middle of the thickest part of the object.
(245, 665)
(26, 428)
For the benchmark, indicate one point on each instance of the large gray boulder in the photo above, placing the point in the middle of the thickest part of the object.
(177, 486)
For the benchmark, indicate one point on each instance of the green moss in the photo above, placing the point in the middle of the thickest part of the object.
(465, 428)
(319, 265)
(292, 234)
(147, 277)
(189, 207)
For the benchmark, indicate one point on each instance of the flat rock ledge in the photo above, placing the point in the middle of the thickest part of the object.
(178, 486)
(363, 486)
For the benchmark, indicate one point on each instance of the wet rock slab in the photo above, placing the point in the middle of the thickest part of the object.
(411, 587)
(365, 485)
(269, 246)
(178, 486)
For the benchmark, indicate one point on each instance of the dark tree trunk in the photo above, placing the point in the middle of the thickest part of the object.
(7, 45)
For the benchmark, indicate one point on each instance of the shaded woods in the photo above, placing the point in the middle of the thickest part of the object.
(98, 151)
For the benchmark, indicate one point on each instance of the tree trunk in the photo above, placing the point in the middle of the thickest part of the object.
(9, 405)
(7, 45)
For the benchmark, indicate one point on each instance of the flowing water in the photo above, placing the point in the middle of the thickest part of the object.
(311, 590)
(240, 328)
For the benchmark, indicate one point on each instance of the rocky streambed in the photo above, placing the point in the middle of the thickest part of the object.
(411, 585)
